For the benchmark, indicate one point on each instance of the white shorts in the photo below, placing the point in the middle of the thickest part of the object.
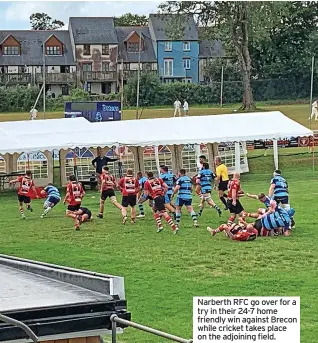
(205, 197)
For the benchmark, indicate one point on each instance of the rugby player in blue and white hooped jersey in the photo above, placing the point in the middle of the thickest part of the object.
(278, 191)
(53, 198)
(265, 200)
(205, 179)
(183, 189)
(142, 197)
(169, 179)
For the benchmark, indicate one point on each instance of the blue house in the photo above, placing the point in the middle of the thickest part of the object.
(178, 60)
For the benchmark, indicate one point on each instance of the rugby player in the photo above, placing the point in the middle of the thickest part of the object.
(222, 180)
(26, 188)
(156, 189)
(183, 189)
(237, 232)
(107, 190)
(233, 202)
(202, 159)
(74, 196)
(141, 197)
(53, 198)
(204, 179)
(129, 187)
(169, 179)
(84, 215)
(264, 200)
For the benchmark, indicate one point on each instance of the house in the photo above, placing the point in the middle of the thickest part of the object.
(209, 49)
(95, 47)
(22, 59)
(130, 39)
(178, 57)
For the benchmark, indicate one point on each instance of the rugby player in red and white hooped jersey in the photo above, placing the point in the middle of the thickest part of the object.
(233, 203)
(156, 189)
(129, 187)
(107, 190)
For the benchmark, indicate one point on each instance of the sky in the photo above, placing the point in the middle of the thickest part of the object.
(15, 15)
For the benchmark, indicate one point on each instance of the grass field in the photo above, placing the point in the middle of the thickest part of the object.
(163, 271)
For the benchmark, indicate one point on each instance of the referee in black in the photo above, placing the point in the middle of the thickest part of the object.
(99, 162)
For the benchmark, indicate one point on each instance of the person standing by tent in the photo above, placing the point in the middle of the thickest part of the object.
(314, 110)
(99, 162)
(185, 108)
(177, 105)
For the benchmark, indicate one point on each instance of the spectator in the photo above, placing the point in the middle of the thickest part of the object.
(99, 162)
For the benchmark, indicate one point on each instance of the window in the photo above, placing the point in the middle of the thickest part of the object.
(87, 66)
(105, 66)
(2, 165)
(126, 157)
(187, 80)
(187, 63)
(87, 49)
(146, 66)
(133, 47)
(105, 49)
(186, 46)
(126, 66)
(168, 46)
(35, 161)
(53, 50)
(84, 159)
(11, 50)
(168, 67)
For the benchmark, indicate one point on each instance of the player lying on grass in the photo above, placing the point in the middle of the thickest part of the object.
(53, 198)
(74, 195)
(237, 232)
(25, 191)
(84, 215)
(156, 189)
(205, 179)
(183, 189)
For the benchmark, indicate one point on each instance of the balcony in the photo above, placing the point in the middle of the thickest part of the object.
(15, 79)
(56, 78)
(101, 76)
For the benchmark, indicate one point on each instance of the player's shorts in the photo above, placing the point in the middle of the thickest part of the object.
(24, 198)
(183, 202)
(129, 200)
(159, 203)
(244, 236)
(281, 200)
(223, 185)
(109, 193)
(258, 226)
(167, 198)
(205, 196)
(87, 212)
(73, 208)
(51, 201)
(237, 209)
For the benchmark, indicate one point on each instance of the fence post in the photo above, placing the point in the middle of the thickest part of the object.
(114, 329)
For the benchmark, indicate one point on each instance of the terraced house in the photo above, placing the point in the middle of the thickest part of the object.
(94, 54)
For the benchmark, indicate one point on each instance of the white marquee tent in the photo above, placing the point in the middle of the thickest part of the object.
(77, 132)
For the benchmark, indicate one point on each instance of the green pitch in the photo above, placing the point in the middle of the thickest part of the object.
(164, 271)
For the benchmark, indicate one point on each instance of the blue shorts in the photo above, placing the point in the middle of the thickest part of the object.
(281, 200)
(51, 201)
(167, 198)
(183, 202)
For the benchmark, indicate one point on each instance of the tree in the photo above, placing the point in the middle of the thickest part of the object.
(42, 21)
(130, 19)
(235, 24)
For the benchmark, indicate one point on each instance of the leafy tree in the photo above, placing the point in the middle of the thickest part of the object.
(130, 19)
(42, 21)
(236, 24)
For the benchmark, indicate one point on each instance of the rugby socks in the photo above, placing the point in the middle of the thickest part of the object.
(169, 220)
(218, 210)
(29, 208)
(178, 218)
(22, 213)
(224, 201)
(158, 221)
(231, 220)
(200, 211)
(141, 209)
(46, 211)
(194, 218)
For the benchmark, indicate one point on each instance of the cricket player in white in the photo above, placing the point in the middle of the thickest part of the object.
(314, 110)
(177, 105)
(33, 113)
(185, 108)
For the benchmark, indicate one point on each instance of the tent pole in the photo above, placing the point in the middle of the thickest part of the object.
(237, 157)
(197, 154)
(313, 156)
(275, 147)
(157, 159)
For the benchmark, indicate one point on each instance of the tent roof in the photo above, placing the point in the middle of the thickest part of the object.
(78, 132)
(237, 127)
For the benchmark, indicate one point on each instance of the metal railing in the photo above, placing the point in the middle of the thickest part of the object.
(99, 76)
(115, 319)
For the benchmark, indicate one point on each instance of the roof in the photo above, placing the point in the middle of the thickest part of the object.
(31, 48)
(63, 134)
(160, 24)
(213, 48)
(148, 55)
(93, 30)
(55, 301)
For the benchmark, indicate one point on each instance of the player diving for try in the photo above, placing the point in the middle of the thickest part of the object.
(53, 198)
